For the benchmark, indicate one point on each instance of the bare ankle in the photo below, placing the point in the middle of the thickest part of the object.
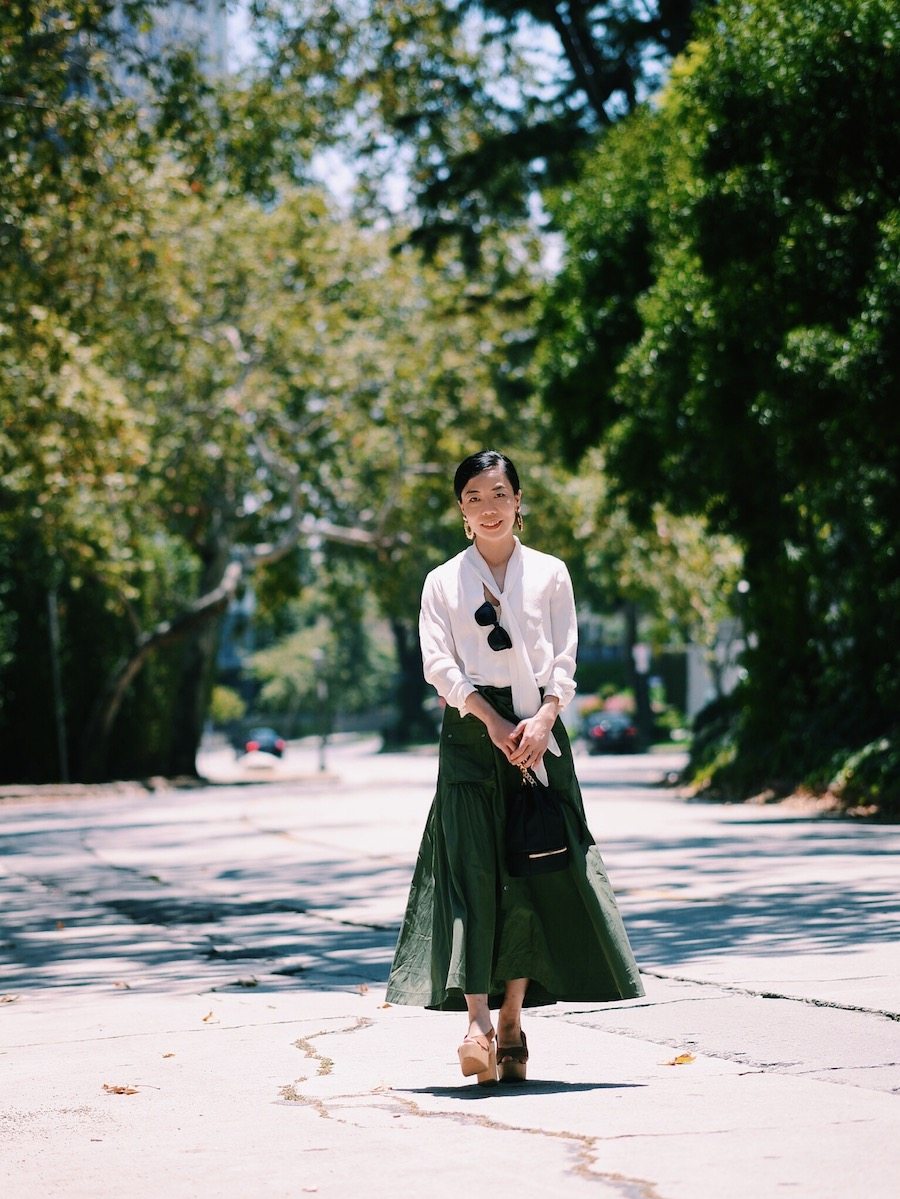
(509, 1029)
(479, 1016)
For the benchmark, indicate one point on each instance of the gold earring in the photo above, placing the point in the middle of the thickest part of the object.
(468, 529)
(520, 524)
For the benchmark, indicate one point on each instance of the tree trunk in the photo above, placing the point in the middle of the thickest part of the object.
(198, 666)
(99, 727)
(412, 723)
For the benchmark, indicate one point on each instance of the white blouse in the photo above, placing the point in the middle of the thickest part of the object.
(537, 608)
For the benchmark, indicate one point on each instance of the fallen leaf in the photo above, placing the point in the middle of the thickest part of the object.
(9, 998)
(122, 986)
(209, 1016)
(111, 1090)
(363, 988)
(683, 1059)
(60, 924)
(168, 1055)
(382, 1005)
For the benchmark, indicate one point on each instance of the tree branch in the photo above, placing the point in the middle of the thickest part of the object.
(578, 56)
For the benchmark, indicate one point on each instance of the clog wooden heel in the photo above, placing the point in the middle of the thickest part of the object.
(478, 1056)
(511, 1061)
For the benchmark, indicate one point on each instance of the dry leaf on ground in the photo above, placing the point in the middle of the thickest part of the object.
(363, 988)
(168, 1055)
(683, 1059)
(9, 998)
(113, 1090)
(122, 986)
(209, 1016)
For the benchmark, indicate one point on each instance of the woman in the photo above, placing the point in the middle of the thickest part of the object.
(498, 635)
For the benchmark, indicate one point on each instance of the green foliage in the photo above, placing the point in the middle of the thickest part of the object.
(226, 706)
(489, 102)
(681, 574)
(330, 663)
(204, 363)
(269, 369)
(589, 314)
(869, 777)
(714, 746)
(756, 386)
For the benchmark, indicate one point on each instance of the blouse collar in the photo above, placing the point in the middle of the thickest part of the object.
(513, 567)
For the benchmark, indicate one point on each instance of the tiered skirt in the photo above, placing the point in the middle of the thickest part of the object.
(469, 926)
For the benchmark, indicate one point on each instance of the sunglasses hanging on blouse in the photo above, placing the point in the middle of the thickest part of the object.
(498, 638)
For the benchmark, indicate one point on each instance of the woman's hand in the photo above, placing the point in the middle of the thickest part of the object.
(525, 743)
(533, 735)
(503, 733)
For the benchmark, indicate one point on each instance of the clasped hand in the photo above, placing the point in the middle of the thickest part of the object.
(524, 743)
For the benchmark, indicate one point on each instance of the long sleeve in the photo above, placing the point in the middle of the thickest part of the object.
(564, 637)
(441, 665)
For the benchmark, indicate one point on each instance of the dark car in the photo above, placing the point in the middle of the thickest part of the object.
(610, 733)
(264, 741)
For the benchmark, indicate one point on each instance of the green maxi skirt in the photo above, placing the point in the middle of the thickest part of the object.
(469, 926)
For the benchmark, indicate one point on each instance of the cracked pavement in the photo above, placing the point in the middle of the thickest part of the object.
(215, 958)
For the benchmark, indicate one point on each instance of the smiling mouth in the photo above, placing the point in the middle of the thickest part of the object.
(495, 525)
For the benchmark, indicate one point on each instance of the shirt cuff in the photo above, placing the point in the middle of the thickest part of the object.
(563, 700)
(461, 693)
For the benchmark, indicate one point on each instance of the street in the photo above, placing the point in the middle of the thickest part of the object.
(192, 999)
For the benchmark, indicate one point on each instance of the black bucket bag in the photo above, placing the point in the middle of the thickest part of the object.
(536, 841)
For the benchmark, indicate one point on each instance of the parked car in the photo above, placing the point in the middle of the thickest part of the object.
(264, 741)
(610, 733)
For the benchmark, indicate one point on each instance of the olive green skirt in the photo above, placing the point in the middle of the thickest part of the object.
(469, 926)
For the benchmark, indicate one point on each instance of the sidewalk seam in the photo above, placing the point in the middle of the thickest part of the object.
(749, 991)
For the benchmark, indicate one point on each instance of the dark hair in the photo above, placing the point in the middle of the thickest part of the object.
(483, 460)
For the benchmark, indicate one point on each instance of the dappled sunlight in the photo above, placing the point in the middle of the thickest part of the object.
(276, 888)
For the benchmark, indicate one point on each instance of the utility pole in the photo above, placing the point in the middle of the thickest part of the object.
(637, 659)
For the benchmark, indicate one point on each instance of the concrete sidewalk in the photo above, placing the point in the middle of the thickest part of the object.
(194, 1004)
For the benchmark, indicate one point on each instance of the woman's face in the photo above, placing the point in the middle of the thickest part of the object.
(489, 504)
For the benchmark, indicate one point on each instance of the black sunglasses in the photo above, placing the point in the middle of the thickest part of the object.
(498, 638)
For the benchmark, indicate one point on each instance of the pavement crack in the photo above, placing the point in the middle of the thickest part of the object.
(585, 1147)
(810, 1001)
(290, 1094)
(325, 1065)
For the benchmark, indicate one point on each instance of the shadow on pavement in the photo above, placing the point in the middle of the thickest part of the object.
(761, 893)
(209, 906)
(537, 1086)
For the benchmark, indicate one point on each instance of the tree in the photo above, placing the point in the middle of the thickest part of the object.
(589, 309)
(483, 103)
(680, 573)
(205, 365)
(286, 380)
(70, 447)
(755, 388)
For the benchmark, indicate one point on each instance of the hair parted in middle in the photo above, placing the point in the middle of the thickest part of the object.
(484, 460)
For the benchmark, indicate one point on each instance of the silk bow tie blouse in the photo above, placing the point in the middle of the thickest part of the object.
(537, 608)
